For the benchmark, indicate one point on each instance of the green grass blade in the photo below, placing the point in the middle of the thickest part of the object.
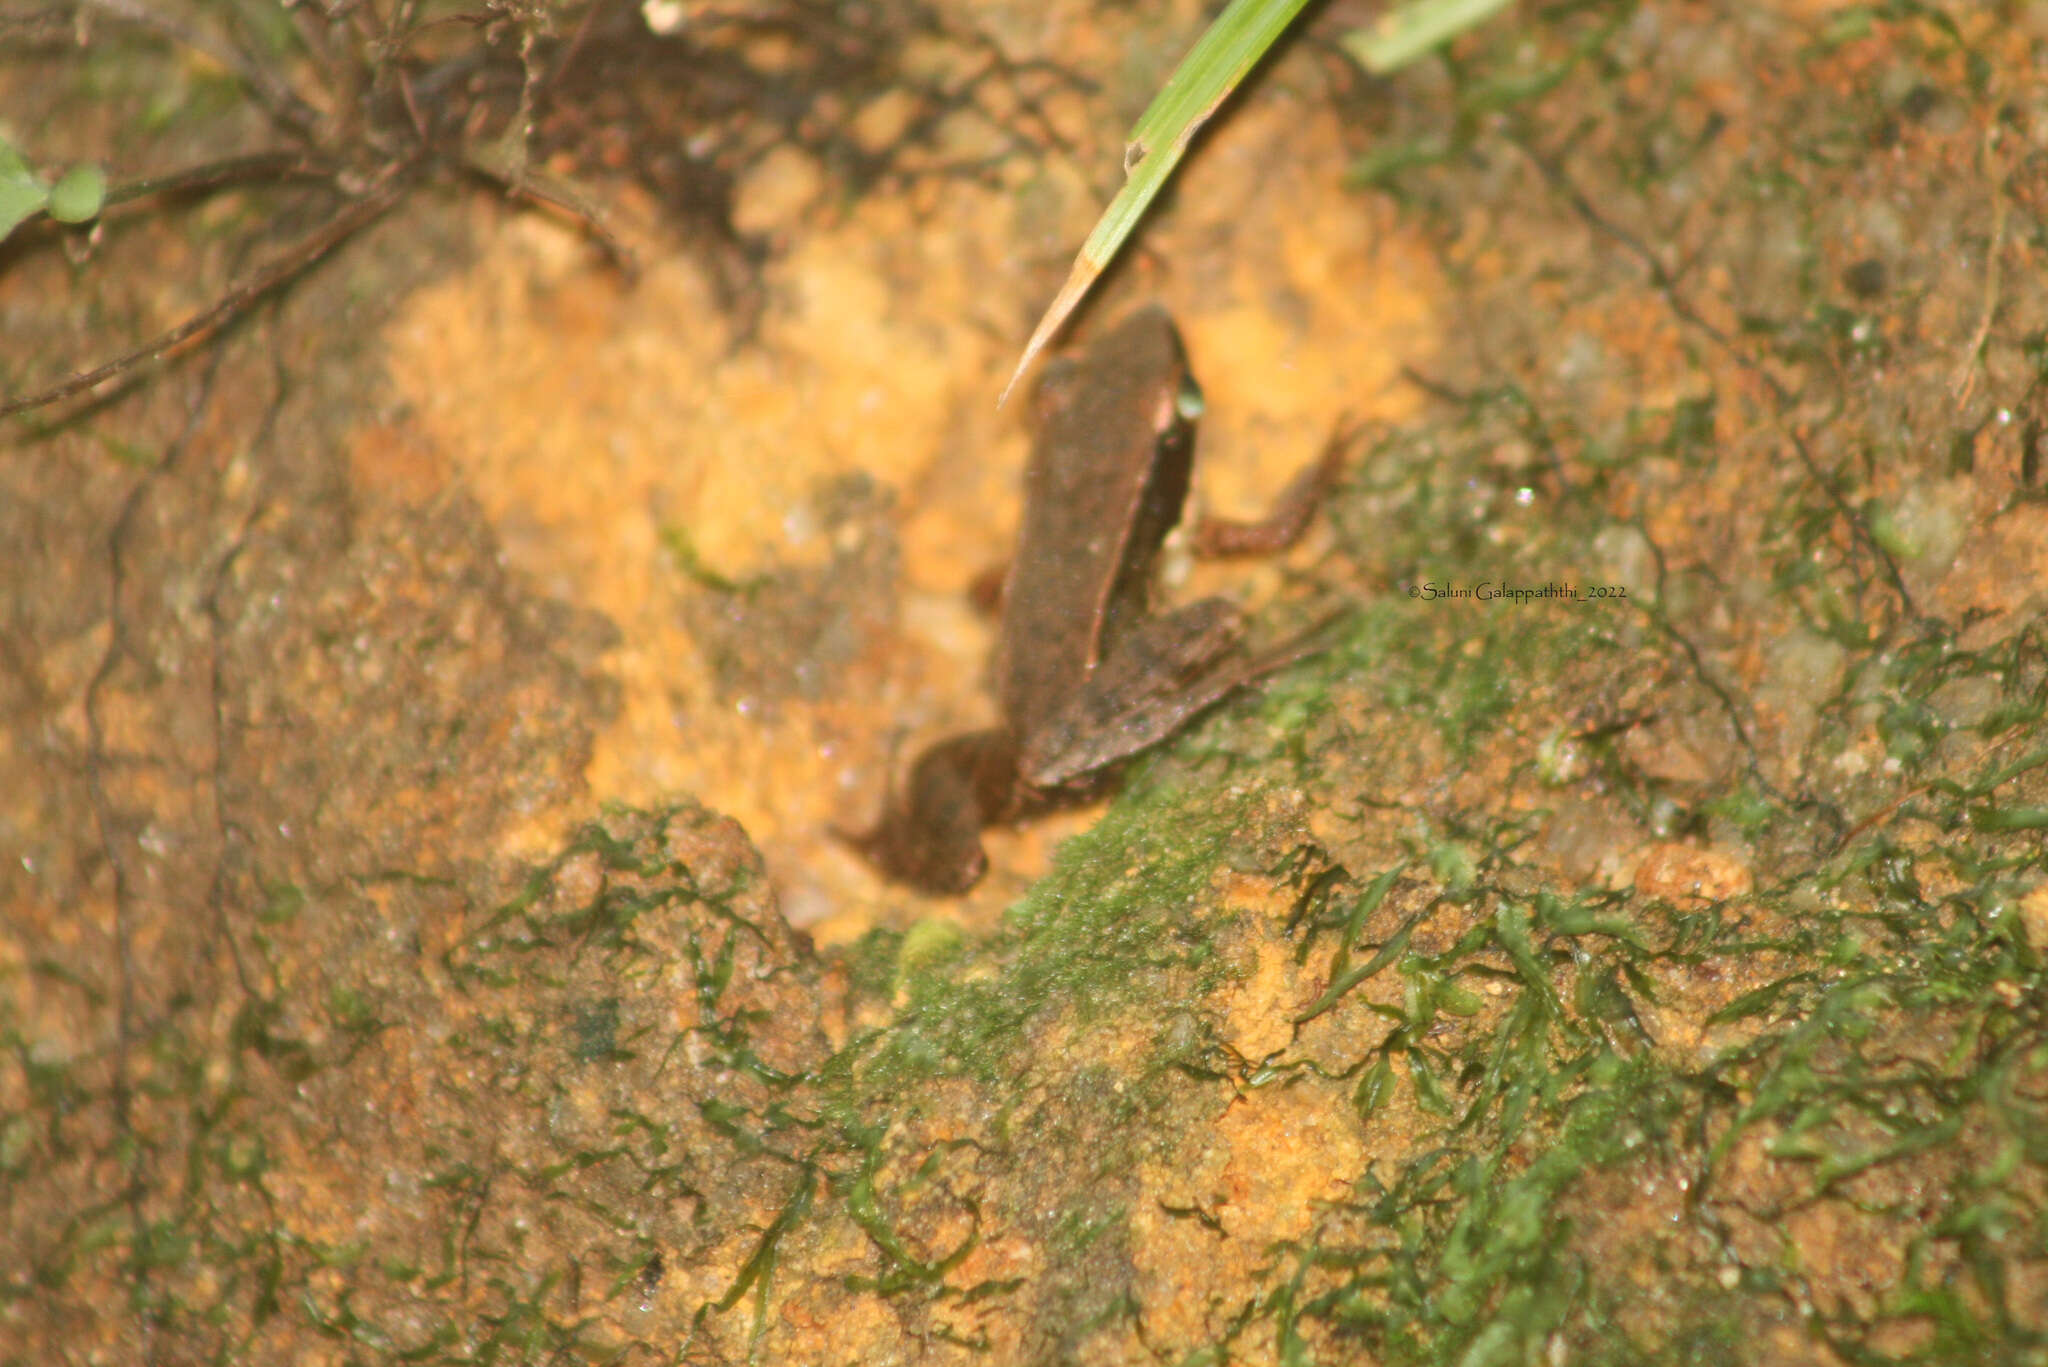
(1218, 63)
(1408, 31)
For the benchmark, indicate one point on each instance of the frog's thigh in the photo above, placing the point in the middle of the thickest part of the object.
(1161, 654)
(1160, 674)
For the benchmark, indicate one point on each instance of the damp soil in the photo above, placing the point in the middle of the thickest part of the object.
(426, 702)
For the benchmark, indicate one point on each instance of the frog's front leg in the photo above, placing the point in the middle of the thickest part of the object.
(1162, 673)
(1289, 517)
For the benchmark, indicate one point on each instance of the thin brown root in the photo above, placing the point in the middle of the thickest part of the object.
(286, 268)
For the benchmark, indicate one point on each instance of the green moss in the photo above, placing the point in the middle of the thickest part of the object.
(1116, 914)
(928, 945)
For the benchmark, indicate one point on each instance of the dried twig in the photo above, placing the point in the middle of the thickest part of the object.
(1964, 381)
(284, 269)
(532, 185)
(282, 164)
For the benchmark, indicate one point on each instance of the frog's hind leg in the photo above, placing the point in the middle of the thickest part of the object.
(1170, 671)
(1159, 676)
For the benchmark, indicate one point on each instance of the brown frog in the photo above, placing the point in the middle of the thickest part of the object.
(1086, 674)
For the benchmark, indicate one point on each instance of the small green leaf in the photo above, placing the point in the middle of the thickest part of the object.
(21, 193)
(1429, 1092)
(79, 194)
(1374, 1088)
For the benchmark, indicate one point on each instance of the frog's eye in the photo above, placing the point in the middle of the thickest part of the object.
(1189, 402)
